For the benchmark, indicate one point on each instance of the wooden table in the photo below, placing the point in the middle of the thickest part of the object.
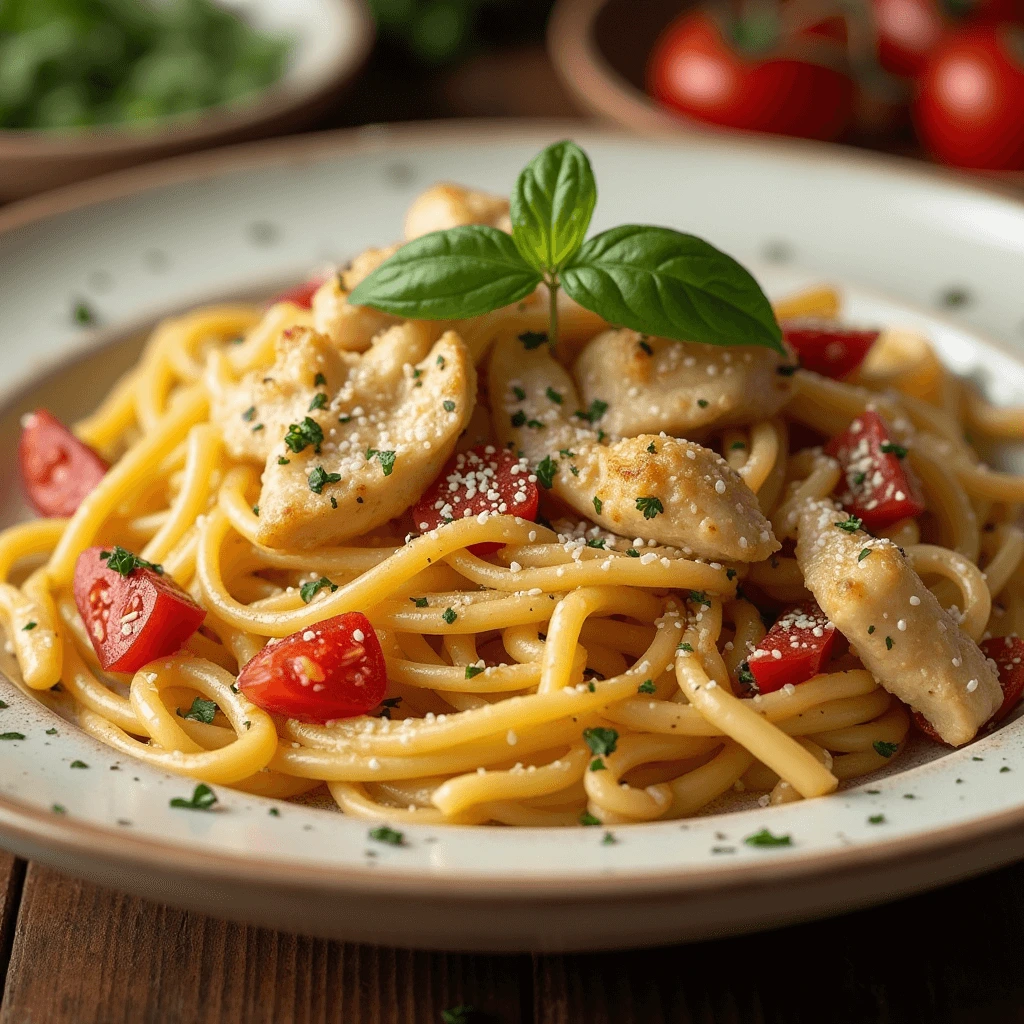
(73, 953)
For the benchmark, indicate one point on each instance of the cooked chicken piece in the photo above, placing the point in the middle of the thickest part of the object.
(253, 414)
(445, 206)
(683, 388)
(351, 328)
(659, 488)
(904, 637)
(388, 431)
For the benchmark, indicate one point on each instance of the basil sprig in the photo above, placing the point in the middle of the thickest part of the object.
(654, 280)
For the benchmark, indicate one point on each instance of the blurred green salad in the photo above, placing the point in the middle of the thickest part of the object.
(73, 63)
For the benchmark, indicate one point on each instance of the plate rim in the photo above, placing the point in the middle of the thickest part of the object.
(989, 840)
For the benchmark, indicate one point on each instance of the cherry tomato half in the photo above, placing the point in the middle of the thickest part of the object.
(722, 75)
(332, 669)
(134, 618)
(970, 105)
(57, 470)
(828, 349)
(301, 295)
(876, 486)
(794, 649)
(483, 479)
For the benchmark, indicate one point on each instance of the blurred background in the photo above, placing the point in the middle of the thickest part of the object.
(93, 85)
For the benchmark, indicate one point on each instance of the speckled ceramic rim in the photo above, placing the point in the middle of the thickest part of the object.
(268, 105)
(961, 850)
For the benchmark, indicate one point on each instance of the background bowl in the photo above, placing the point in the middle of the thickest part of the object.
(600, 48)
(331, 38)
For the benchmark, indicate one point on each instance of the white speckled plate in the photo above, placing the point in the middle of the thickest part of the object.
(904, 243)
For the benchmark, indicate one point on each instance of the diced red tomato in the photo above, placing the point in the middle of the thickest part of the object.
(131, 619)
(877, 486)
(828, 349)
(794, 649)
(333, 669)
(1008, 654)
(301, 294)
(483, 479)
(57, 470)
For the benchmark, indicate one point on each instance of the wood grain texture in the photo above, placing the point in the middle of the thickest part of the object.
(86, 955)
(950, 957)
(12, 876)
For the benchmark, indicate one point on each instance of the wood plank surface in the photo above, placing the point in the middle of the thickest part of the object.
(12, 876)
(949, 957)
(86, 955)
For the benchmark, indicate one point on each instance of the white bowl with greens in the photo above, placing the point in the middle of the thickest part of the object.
(88, 86)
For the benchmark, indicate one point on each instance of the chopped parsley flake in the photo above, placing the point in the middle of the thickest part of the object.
(448, 405)
(319, 380)
(632, 553)
(744, 676)
(535, 424)
(586, 818)
(383, 834)
(649, 505)
(730, 574)
(302, 435)
(309, 590)
(51, 732)
(871, 630)
(255, 510)
(473, 670)
(598, 504)
(345, 418)
(738, 445)
(12, 735)
(1005, 768)
(28, 627)
(202, 710)
(684, 646)
(532, 339)
(519, 393)
(702, 402)
(889, 448)
(420, 602)
(876, 819)
(546, 471)
(449, 615)
(888, 643)
(203, 798)
(274, 812)
(83, 313)
(601, 741)
(574, 470)
(700, 597)
(597, 765)
(647, 686)
(609, 839)
(765, 838)
(59, 809)
(554, 396)
(440, 362)
(851, 524)
(386, 459)
(885, 749)
(518, 419)
(595, 542)
(319, 401)
(78, 764)
(652, 449)
(863, 554)
(126, 563)
(594, 413)
(250, 414)
(257, 428)
(319, 478)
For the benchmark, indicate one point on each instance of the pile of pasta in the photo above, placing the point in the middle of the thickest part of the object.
(577, 637)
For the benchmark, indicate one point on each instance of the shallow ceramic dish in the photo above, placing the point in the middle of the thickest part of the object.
(331, 38)
(901, 243)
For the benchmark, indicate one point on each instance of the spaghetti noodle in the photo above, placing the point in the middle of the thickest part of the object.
(538, 673)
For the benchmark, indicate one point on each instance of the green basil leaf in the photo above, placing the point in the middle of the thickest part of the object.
(449, 275)
(551, 206)
(663, 282)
